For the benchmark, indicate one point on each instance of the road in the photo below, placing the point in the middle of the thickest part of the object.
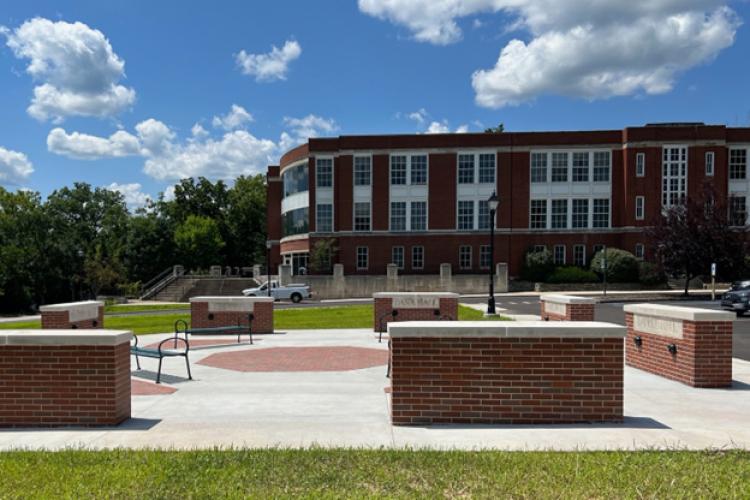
(611, 312)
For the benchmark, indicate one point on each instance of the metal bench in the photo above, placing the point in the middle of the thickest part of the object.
(160, 353)
(182, 327)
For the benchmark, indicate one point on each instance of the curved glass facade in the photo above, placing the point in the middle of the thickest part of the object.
(295, 222)
(295, 179)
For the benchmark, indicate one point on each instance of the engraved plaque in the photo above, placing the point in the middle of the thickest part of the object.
(416, 302)
(555, 308)
(666, 327)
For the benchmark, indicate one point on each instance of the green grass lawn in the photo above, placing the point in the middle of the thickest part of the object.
(359, 316)
(316, 473)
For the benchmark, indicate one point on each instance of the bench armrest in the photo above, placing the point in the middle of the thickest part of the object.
(181, 323)
(175, 340)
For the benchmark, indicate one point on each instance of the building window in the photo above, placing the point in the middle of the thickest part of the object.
(538, 167)
(418, 215)
(538, 214)
(737, 163)
(466, 169)
(640, 250)
(363, 258)
(295, 179)
(487, 168)
(417, 257)
(398, 170)
(601, 166)
(398, 216)
(639, 210)
(485, 259)
(558, 256)
(397, 256)
(559, 167)
(640, 165)
(483, 217)
(362, 216)
(580, 167)
(540, 248)
(324, 218)
(709, 164)
(674, 175)
(466, 214)
(419, 170)
(559, 214)
(737, 211)
(295, 221)
(580, 218)
(324, 172)
(362, 176)
(601, 213)
(579, 255)
(464, 257)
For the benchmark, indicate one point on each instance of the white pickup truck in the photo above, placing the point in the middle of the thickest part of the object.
(293, 291)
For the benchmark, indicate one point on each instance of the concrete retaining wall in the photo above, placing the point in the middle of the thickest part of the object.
(566, 308)
(690, 345)
(533, 372)
(73, 315)
(61, 378)
(208, 312)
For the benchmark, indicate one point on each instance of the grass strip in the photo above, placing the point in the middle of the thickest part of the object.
(303, 318)
(345, 473)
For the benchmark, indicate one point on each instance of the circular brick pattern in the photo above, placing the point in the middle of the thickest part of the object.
(298, 359)
(143, 388)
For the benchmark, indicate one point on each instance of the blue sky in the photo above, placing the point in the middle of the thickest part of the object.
(341, 67)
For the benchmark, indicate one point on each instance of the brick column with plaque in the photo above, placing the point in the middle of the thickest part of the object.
(414, 306)
(566, 308)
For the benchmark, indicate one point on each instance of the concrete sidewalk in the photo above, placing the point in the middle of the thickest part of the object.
(224, 407)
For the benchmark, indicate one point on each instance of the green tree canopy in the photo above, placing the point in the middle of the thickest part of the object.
(199, 242)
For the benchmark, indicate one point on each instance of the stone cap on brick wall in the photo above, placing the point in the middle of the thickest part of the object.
(231, 304)
(77, 311)
(505, 329)
(391, 295)
(65, 337)
(567, 299)
(678, 312)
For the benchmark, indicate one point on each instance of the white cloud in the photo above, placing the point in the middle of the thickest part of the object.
(301, 129)
(419, 116)
(77, 70)
(90, 147)
(198, 131)
(134, 197)
(15, 167)
(590, 48)
(443, 127)
(169, 193)
(462, 129)
(235, 118)
(271, 66)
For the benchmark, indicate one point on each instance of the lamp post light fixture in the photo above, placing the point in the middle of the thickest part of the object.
(492, 204)
(268, 267)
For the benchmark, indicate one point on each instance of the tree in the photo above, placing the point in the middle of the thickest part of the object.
(246, 221)
(198, 242)
(149, 247)
(689, 237)
(321, 255)
(537, 265)
(495, 130)
(622, 266)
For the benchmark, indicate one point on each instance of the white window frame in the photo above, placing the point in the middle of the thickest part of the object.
(403, 256)
(583, 254)
(473, 215)
(710, 163)
(640, 207)
(354, 217)
(471, 257)
(406, 216)
(482, 249)
(333, 167)
(640, 248)
(354, 171)
(413, 266)
(317, 217)
(367, 258)
(408, 156)
(564, 256)
(667, 177)
(640, 164)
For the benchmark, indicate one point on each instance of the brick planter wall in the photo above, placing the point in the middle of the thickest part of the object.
(71, 378)
(74, 315)
(566, 308)
(703, 341)
(208, 312)
(535, 373)
(414, 306)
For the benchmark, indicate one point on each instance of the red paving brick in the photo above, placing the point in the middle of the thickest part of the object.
(203, 343)
(298, 359)
(143, 388)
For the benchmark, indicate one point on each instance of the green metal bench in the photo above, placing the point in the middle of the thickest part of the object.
(182, 327)
(160, 353)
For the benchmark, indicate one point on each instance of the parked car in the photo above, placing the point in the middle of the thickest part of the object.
(293, 291)
(737, 299)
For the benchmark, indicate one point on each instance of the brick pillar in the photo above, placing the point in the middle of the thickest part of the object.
(72, 316)
(686, 344)
(208, 312)
(414, 306)
(566, 308)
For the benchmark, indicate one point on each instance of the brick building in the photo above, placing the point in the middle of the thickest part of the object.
(421, 200)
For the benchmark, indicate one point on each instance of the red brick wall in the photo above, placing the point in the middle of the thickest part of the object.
(381, 181)
(442, 191)
(384, 306)
(60, 320)
(262, 321)
(573, 312)
(506, 381)
(47, 386)
(703, 357)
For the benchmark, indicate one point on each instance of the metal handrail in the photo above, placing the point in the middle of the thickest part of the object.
(157, 278)
(158, 286)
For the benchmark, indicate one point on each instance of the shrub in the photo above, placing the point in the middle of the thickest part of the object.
(537, 266)
(650, 274)
(622, 266)
(572, 274)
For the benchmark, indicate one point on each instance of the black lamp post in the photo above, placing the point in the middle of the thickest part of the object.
(268, 267)
(492, 204)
